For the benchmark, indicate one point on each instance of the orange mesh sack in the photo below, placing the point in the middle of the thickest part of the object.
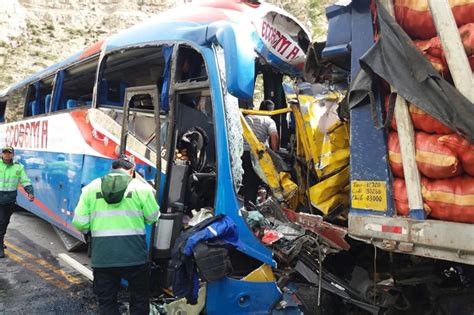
(415, 18)
(450, 199)
(464, 150)
(433, 49)
(400, 196)
(425, 122)
(421, 120)
(394, 155)
(433, 158)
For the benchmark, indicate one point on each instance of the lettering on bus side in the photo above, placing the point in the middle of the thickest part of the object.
(31, 134)
(279, 41)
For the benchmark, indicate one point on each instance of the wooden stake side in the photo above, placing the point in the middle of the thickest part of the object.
(406, 136)
(453, 48)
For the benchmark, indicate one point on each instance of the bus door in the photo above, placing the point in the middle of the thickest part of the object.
(145, 127)
(190, 183)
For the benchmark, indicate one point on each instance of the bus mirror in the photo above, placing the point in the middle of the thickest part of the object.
(239, 57)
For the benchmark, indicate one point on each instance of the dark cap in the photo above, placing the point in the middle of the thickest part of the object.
(124, 162)
(8, 149)
(267, 105)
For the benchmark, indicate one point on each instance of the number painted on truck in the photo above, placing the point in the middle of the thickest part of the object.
(370, 195)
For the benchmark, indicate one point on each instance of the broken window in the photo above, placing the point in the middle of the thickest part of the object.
(191, 66)
(78, 85)
(233, 125)
(129, 68)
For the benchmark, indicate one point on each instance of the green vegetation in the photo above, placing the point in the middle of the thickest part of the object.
(310, 12)
(75, 31)
(43, 55)
(39, 41)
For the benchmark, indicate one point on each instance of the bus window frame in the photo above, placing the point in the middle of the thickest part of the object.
(175, 88)
(29, 91)
(21, 103)
(56, 75)
(42, 80)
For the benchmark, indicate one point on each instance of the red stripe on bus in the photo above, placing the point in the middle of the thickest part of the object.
(95, 48)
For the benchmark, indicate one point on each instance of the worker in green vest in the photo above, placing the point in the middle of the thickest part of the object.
(11, 174)
(115, 209)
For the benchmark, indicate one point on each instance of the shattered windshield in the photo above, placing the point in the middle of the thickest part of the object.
(233, 126)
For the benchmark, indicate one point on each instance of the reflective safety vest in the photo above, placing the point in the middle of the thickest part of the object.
(118, 229)
(11, 175)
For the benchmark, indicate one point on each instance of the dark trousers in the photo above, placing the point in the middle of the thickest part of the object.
(6, 211)
(250, 181)
(107, 285)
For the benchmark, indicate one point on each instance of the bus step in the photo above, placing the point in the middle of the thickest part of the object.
(69, 242)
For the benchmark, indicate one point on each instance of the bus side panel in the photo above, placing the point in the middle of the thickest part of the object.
(94, 167)
(55, 178)
(241, 297)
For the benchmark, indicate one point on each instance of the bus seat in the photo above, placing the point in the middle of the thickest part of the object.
(71, 103)
(33, 108)
(89, 103)
(47, 102)
(29, 109)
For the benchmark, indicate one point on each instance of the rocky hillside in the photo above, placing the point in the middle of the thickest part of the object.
(37, 33)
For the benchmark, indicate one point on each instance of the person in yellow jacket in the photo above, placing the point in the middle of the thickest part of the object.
(11, 175)
(115, 210)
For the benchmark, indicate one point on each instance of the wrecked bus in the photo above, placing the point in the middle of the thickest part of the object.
(167, 93)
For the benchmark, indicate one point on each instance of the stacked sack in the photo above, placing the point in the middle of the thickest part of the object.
(445, 160)
(446, 166)
(415, 18)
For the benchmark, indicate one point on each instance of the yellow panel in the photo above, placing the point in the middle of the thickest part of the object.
(262, 274)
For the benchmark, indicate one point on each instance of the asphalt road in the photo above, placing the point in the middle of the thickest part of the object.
(32, 278)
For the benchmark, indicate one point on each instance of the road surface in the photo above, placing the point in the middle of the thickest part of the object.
(33, 280)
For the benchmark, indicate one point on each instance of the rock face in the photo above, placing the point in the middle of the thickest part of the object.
(35, 34)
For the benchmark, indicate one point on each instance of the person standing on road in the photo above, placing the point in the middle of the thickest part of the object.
(11, 174)
(115, 209)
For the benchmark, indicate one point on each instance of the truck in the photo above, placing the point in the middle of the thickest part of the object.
(324, 237)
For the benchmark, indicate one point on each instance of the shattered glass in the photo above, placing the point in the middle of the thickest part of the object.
(233, 125)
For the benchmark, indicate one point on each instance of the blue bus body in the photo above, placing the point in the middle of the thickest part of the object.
(63, 149)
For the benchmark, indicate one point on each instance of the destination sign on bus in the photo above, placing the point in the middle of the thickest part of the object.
(28, 134)
(279, 35)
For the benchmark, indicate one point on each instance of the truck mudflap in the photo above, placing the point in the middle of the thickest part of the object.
(428, 238)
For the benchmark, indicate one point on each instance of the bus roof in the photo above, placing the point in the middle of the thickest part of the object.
(189, 21)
